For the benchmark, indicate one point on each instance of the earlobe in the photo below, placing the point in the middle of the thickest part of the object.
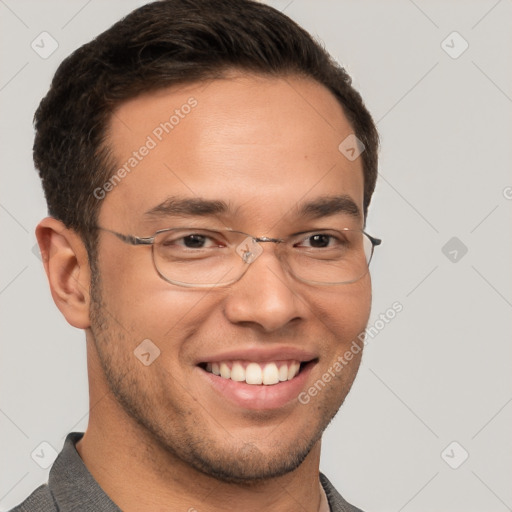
(67, 267)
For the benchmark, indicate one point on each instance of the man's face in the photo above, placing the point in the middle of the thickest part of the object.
(264, 147)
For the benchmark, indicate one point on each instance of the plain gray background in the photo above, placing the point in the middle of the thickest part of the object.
(440, 371)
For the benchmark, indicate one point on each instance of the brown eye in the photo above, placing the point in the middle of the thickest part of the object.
(181, 240)
(194, 241)
(320, 240)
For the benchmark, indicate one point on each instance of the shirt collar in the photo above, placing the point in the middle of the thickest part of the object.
(71, 484)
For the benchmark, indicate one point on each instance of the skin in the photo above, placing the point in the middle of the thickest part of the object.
(159, 437)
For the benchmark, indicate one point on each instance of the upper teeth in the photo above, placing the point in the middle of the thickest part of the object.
(255, 373)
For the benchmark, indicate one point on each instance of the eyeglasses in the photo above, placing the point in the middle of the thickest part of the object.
(206, 258)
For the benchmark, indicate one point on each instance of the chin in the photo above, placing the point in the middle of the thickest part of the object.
(250, 466)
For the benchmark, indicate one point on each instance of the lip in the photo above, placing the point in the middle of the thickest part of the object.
(257, 397)
(259, 355)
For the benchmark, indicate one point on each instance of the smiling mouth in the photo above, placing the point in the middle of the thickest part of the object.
(257, 374)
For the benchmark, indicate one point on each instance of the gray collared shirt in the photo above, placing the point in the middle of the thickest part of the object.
(72, 488)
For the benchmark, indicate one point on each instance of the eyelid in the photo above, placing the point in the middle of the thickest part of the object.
(189, 230)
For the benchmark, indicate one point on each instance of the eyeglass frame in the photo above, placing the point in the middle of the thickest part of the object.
(150, 240)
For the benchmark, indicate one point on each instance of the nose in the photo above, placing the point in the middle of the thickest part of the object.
(265, 296)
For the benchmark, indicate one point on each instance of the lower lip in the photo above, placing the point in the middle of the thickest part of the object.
(259, 397)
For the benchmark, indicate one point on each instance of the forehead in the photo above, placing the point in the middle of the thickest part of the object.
(261, 145)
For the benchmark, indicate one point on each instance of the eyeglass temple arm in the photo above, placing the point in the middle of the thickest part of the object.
(130, 239)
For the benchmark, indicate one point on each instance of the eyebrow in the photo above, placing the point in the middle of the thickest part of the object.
(324, 206)
(187, 207)
(330, 205)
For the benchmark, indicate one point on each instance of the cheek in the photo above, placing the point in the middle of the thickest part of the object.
(344, 311)
(142, 303)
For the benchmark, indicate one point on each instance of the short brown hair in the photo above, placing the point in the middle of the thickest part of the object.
(161, 44)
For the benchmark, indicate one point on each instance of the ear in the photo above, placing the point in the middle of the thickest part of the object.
(67, 267)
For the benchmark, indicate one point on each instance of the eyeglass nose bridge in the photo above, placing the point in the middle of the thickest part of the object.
(267, 239)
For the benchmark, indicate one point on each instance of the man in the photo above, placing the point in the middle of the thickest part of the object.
(208, 170)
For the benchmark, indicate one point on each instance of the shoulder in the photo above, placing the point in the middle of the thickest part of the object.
(41, 500)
